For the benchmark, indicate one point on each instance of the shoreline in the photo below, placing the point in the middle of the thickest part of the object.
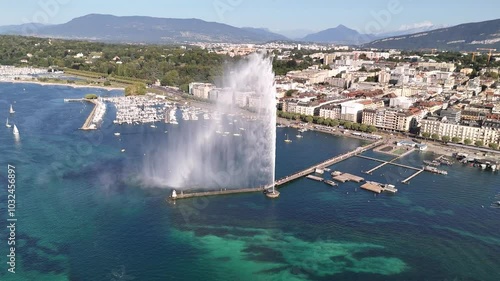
(62, 84)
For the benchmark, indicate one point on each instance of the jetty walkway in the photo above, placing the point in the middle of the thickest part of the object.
(287, 179)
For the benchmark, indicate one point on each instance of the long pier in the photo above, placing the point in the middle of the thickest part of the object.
(287, 179)
(406, 181)
(220, 192)
(88, 123)
(386, 163)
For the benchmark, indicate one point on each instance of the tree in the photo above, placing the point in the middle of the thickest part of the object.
(493, 146)
(455, 140)
(171, 78)
(467, 142)
(309, 119)
(372, 129)
(135, 89)
(435, 136)
(445, 138)
(363, 128)
(334, 123)
(479, 143)
(290, 93)
(426, 135)
(91, 96)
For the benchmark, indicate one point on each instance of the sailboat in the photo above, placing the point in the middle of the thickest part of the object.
(16, 131)
(287, 139)
(11, 111)
(300, 135)
(7, 123)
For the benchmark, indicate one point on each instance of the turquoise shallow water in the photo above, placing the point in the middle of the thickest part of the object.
(82, 215)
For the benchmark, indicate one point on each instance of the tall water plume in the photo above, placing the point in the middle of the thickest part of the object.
(237, 151)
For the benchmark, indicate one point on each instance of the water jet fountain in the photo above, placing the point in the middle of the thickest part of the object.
(196, 156)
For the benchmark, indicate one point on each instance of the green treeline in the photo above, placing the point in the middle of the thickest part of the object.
(172, 65)
(328, 122)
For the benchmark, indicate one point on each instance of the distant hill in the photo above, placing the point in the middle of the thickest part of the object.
(21, 29)
(410, 30)
(464, 37)
(266, 34)
(339, 35)
(139, 29)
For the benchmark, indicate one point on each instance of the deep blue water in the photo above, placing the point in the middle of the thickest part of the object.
(83, 215)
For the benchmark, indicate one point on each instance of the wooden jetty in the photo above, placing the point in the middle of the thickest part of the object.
(406, 181)
(387, 163)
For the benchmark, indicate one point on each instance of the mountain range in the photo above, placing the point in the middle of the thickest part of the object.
(463, 37)
(141, 29)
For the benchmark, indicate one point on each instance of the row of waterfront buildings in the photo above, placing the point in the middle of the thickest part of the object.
(420, 95)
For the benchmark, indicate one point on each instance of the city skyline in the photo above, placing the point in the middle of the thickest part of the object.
(276, 15)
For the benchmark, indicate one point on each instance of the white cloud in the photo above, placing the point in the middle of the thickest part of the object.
(417, 25)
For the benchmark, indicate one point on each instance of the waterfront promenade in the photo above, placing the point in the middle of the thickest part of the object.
(281, 182)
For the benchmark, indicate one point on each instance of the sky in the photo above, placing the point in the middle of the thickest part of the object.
(285, 16)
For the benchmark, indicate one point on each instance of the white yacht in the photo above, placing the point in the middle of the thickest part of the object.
(117, 134)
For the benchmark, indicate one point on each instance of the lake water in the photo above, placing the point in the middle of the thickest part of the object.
(83, 215)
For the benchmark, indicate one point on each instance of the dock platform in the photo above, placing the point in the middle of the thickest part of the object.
(378, 187)
(345, 177)
(312, 177)
(372, 187)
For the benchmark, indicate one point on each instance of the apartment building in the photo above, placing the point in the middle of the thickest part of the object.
(440, 126)
(389, 119)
